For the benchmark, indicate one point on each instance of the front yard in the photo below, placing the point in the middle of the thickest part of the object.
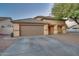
(52, 45)
(5, 42)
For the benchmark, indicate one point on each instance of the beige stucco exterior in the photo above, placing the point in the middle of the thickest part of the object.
(6, 27)
(46, 29)
(63, 29)
(16, 29)
(49, 27)
(54, 22)
(36, 26)
(55, 29)
(58, 26)
(30, 29)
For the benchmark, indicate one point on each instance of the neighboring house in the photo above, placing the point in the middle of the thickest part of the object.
(70, 23)
(72, 26)
(40, 25)
(6, 26)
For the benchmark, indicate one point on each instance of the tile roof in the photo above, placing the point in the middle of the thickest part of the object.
(44, 17)
(5, 18)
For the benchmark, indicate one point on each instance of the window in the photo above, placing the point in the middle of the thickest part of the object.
(2, 26)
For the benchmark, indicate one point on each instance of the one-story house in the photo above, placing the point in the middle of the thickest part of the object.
(6, 26)
(40, 25)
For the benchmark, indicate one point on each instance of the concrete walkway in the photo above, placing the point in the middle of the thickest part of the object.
(41, 46)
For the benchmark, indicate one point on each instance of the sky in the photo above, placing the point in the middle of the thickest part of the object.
(25, 10)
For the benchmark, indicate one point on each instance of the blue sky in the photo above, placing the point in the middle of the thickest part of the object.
(27, 10)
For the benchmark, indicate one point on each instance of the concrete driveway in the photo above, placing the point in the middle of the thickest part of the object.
(41, 46)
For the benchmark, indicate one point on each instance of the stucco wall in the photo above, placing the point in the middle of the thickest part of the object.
(6, 27)
(53, 22)
(46, 29)
(59, 26)
(16, 30)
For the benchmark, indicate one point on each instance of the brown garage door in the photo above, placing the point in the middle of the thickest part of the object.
(31, 30)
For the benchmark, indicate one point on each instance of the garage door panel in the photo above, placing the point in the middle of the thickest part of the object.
(31, 30)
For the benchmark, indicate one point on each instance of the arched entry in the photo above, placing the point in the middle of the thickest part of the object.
(59, 29)
(51, 29)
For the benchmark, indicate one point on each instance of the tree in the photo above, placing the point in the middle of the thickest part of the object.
(66, 10)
